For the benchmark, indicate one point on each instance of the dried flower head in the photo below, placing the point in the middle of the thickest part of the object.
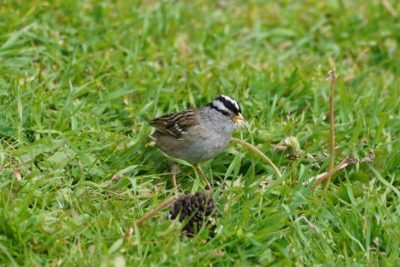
(332, 75)
(291, 146)
(194, 210)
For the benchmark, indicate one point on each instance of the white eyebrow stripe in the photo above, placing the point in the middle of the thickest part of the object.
(219, 105)
(234, 102)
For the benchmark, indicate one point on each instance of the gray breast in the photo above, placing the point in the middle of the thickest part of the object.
(211, 136)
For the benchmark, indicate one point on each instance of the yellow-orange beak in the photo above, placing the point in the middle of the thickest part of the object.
(238, 117)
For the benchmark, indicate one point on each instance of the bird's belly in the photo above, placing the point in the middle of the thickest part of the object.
(206, 149)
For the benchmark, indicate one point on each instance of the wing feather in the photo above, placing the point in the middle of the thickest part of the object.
(175, 124)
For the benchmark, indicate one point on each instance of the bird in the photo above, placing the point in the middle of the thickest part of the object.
(199, 134)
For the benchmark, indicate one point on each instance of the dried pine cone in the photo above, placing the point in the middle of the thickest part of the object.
(194, 210)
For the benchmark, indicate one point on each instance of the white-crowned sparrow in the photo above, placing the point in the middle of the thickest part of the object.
(197, 135)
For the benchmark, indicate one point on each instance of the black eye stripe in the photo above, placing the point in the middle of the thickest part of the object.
(222, 111)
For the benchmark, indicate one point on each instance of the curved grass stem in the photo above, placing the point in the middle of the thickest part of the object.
(256, 151)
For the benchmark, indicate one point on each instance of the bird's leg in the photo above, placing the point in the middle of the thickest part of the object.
(174, 171)
(208, 185)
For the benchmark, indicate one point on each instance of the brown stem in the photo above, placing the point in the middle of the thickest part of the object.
(342, 165)
(149, 214)
(332, 78)
(326, 175)
(258, 153)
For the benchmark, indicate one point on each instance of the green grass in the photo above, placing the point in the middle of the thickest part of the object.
(79, 79)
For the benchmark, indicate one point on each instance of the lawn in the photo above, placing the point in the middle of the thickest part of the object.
(79, 79)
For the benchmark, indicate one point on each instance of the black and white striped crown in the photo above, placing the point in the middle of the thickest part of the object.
(226, 105)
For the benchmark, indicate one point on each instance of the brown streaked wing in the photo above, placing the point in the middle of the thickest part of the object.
(175, 124)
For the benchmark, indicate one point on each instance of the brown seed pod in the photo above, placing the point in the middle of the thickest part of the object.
(194, 211)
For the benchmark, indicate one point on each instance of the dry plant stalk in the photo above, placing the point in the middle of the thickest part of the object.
(149, 214)
(348, 161)
(332, 76)
(256, 151)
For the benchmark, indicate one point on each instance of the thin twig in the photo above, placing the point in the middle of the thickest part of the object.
(348, 161)
(325, 176)
(258, 153)
(331, 78)
(149, 214)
